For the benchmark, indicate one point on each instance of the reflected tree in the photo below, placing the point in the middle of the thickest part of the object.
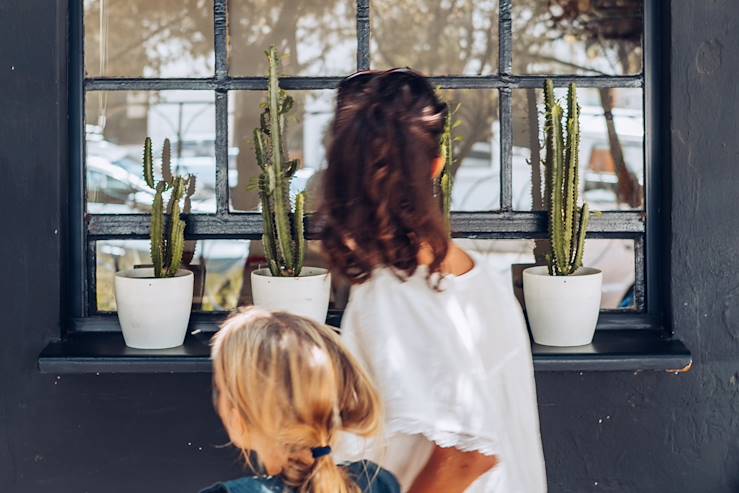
(608, 34)
(444, 37)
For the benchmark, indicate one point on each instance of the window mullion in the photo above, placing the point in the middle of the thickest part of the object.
(220, 31)
(506, 149)
(363, 34)
(640, 301)
(505, 38)
(310, 83)
(470, 224)
(221, 150)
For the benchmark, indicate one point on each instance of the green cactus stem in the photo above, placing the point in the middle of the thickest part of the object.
(167, 162)
(446, 178)
(148, 164)
(157, 230)
(567, 224)
(284, 237)
(167, 224)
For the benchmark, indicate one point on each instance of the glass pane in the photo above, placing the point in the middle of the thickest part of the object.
(316, 37)
(577, 37)
(611, 150)
(307, 134)
(477, 176)
(148, 38)
(116, 123)
(615, 257)
(218, 266)
(436, 37)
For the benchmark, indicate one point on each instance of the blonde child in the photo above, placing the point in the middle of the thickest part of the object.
(284, 387)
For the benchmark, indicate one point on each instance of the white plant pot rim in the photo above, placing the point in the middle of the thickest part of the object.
(305, 272)
(147, 274)
(543, 271)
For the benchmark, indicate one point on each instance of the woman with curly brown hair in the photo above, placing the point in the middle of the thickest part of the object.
(441, 334)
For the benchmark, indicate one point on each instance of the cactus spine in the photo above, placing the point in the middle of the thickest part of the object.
(167, 225)
(567, 223)
(283, 238)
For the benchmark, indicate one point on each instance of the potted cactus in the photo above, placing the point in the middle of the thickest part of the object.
(285, 284)
(154, 302)
(563, 297)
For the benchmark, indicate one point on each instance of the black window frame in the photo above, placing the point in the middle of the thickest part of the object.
(647, 228)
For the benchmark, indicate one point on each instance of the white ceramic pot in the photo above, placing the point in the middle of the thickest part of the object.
(562, 310)
(153, 312)
(306, 295)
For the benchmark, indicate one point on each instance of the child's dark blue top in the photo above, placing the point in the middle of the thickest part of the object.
(370, 478)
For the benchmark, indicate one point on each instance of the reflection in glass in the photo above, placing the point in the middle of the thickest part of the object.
(220, 268)
(477, 175)
(476, 178)
(577, 37)
(317, 37)
(436, 37)
(611, 148)
(217, 265)
(148, 38)
(307, 133)
(116, 123)
(615, 257)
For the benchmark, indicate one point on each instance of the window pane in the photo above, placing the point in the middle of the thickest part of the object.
(117, 123)
(218, 266)
(477, 176)
(611, 152)
(577, 37)
(614, 257)
(307, 128)
(436, 37)
(148, 38)
(316, 37)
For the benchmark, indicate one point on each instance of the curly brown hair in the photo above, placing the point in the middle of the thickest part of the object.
(379, 208)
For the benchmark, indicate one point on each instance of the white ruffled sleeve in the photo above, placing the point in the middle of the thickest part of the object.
(434, 364)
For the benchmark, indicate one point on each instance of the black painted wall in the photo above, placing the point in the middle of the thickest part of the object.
(609, 432)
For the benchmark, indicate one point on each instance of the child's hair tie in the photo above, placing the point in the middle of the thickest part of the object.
(319, 452)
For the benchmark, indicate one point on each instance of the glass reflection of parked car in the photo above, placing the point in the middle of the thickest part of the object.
(112, 189)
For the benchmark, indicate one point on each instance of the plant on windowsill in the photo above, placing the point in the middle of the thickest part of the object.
(285, 284)
(445, 181)
(563, 297)
(154, 303)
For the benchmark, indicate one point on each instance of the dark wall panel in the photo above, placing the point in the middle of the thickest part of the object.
(608, 432)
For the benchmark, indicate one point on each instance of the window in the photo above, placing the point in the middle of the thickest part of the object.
(193, 71)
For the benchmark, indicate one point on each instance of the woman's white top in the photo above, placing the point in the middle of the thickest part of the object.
(453, 368)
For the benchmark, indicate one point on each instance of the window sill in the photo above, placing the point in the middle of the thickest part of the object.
(611, 350)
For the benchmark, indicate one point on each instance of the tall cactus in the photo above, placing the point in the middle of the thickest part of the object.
(446, 178)
(283, 238)
(167, 225)
(567, 223)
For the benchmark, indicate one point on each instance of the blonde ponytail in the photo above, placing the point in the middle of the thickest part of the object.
(327, 477)
(292, 383)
